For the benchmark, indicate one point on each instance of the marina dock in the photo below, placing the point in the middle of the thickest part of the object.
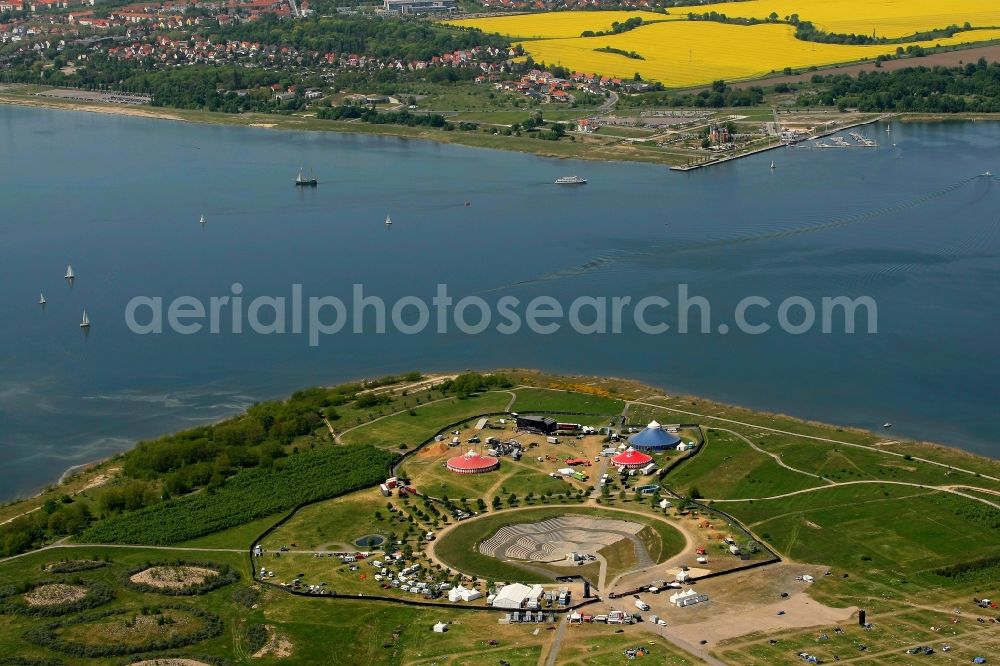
(861, 142)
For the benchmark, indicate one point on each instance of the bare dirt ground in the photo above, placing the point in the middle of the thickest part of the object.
(54, 594)
(748, 602)
(277, 646)
(101, 479)
(947, 59)
(173, 577)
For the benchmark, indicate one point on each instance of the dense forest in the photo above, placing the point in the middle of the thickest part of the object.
(382, 37)
(974, 87)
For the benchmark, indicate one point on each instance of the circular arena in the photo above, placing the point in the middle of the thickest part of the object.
(473, 463)
(562, 539)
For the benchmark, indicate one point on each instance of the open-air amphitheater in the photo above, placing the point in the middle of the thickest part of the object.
(557, 539)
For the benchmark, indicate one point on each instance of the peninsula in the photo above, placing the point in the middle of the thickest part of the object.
(457, 518)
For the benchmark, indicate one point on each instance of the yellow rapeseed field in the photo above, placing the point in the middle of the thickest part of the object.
(884, 18)
(688, 53)
(680, 53)
(558, 24)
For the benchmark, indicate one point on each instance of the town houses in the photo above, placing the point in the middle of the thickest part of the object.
(160, 35)
(544, 86)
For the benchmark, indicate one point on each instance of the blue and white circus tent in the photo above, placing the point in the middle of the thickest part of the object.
(653, 438)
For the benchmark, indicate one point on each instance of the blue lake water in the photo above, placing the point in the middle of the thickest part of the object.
(914, 226)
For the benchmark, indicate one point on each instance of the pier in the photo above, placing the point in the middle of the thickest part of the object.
(861, 142)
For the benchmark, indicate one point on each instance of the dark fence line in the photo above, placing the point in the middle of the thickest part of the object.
(713, 574)
(431, 604)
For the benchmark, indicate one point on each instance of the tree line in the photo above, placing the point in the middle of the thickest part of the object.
(974, 87)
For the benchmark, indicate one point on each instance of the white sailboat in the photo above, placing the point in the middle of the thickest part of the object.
(388, 221)
(773, 165)
(69, 272)
(201, 220)
(85, 322)
(41, 299)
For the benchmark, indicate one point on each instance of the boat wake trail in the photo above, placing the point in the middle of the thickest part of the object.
(979, 244)
(673, 248)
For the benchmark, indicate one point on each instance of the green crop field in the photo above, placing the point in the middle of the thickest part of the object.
(247, 496)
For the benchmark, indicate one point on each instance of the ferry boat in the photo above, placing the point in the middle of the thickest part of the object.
(302, 181)
(571, 180)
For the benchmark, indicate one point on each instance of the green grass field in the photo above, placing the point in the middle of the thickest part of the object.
(529, 399)
(603, 647)
(728, 468)
(425, 420)
(336, 525)
(876, 530)
(30, 567)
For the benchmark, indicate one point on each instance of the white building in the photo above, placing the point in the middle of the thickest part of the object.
(462, 593)
(687, 598)
(515, 595)
(682, 577)
(534, 600)
(419, 6)
(440, 627)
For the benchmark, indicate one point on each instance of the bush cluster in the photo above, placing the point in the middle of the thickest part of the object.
(73, 566)
(12, 598)
(46, 635)
(225, 575)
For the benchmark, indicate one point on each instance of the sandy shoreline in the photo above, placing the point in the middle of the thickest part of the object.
(112, 109)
